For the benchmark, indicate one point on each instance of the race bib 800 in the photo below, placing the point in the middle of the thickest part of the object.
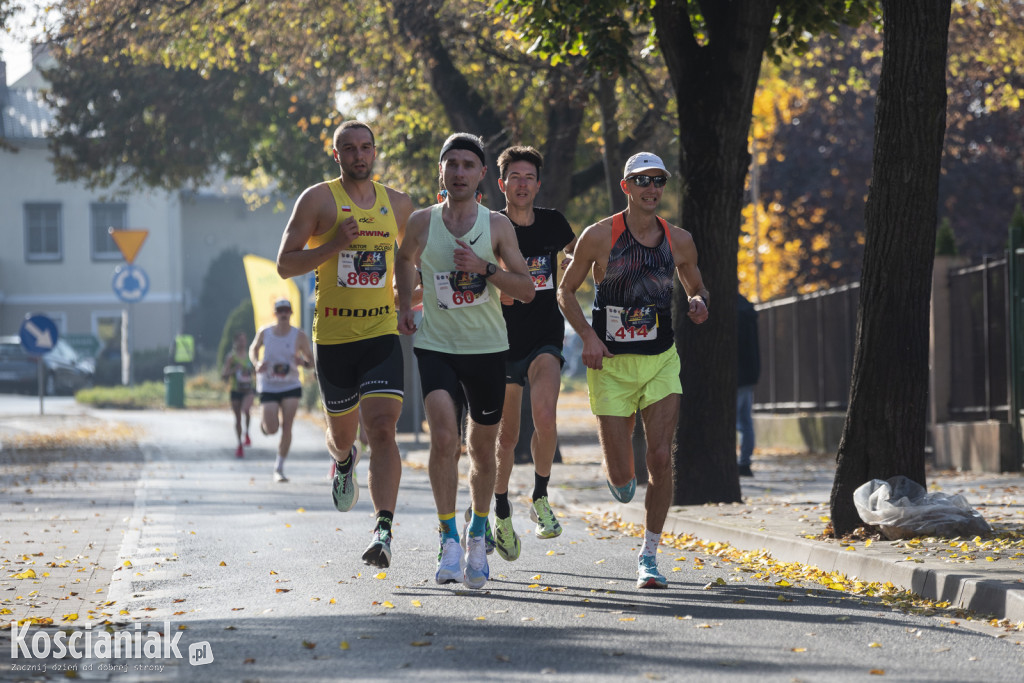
(636, 323)
(459, 290)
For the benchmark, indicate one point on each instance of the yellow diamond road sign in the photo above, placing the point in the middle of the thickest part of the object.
(129, 242)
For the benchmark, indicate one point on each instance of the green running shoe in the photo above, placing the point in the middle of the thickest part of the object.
(506, 540)
(544, 518)
(378, 554)
(345, 488)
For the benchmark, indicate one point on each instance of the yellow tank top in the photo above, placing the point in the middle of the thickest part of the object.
(354, 296)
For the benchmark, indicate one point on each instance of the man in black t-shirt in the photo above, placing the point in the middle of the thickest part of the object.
(535, 332)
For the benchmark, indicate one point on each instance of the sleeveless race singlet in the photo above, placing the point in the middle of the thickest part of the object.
(241, 376)
(633, 306)
(281, 373)
(461, 311)
(354, 295)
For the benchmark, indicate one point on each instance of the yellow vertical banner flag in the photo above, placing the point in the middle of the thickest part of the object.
(266, 287)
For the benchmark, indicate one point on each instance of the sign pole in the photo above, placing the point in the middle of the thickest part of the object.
(39, 377)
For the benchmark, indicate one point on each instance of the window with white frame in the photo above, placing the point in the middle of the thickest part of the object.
(105, 216)
(43, 239)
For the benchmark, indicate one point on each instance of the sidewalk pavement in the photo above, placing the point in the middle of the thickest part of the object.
(785, 510)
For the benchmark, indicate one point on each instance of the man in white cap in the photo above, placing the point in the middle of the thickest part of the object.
(629, 349)
(285, 348)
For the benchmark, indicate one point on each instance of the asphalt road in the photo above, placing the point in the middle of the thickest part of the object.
(269, 576)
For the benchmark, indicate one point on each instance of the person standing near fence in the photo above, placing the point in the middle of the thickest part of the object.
(748, 371)
(629, 349)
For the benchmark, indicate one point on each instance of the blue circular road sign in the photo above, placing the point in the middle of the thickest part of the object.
(38, 335)
(130, 283)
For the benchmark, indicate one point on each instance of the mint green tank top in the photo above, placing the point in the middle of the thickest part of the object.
(461, 311)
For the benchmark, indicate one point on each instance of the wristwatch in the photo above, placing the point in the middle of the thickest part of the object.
(491, 270)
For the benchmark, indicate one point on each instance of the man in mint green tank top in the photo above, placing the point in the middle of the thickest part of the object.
(468, 256)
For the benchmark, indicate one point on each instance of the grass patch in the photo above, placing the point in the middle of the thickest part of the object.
(201, 391)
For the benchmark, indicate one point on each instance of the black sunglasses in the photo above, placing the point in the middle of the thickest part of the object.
(645, 180)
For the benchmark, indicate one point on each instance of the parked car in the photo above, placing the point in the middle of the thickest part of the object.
(64, 371)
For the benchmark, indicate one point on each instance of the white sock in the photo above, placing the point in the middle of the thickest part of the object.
(279, 465)
(651, 542)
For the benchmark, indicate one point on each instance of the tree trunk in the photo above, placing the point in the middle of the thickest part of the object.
(714, 84)
(884, 434)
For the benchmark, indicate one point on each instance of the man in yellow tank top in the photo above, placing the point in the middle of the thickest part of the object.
(348, 230)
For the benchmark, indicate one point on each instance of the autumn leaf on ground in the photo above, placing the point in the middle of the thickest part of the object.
(223, 563)
(799, 649)
(877, 672)
(417, 603)
(420, 643)
(27, 574)
(308, 645)
(344, 645)
(281, 590)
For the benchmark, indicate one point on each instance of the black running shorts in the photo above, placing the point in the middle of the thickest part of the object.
(482, 376)
(348, 373)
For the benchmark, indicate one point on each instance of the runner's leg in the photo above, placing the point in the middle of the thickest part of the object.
(659, 423)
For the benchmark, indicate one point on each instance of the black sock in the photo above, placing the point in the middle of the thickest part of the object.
(540, 486)
(345, 465)
(384, 518)
(502, 510)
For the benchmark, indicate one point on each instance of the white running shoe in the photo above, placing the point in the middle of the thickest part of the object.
(477, 571)
(449, 562)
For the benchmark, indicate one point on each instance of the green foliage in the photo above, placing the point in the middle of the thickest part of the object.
(239, 320)
(202, 391)
(256, 89)
(224, 287)
(945, 240)
(125, 124)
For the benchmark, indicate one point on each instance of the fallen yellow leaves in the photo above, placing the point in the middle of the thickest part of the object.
(27, 574)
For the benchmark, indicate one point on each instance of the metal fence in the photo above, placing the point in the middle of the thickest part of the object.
(980, 343)
(807, 346)
(807, 351)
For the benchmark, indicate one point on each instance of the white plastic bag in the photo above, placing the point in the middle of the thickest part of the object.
(901, 508)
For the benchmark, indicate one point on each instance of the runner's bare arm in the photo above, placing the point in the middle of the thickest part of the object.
(401, 204)
(684, 251)
(416, 232)
(512, 279)
(592, 248)
(314, 213)
(254, 352)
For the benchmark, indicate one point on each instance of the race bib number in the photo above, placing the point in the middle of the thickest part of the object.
(459, 290)
(362, 269)
(637, 323)
(281, 369)
(540, 271)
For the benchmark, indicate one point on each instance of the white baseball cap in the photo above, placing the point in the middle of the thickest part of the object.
(644, 161)
(282, 303)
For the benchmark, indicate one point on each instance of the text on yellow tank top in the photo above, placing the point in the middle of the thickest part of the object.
(354, 295)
